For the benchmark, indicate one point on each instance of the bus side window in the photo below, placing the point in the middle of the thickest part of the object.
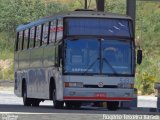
(25, 39)
(20, 40)
(32, 35)
(60, 29)
(52, 32)
(38, 36)
(41, 34)
(16, 42)
(45, 34)
(29, 31)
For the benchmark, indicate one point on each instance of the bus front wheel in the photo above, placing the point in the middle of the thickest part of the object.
(35, 102)
(57, 104)
(26, 101)
(112, 105)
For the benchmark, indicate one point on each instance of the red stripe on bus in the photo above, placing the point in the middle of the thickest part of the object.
(53, 29)
(94, 98)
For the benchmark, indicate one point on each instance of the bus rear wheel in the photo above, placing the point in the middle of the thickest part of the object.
(57, 104)
(26, 101)
(112, 105)
(35, 102)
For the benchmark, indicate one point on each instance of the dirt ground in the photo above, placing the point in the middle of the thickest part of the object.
(6, 85)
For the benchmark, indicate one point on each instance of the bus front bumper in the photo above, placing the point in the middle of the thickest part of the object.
(99, 94)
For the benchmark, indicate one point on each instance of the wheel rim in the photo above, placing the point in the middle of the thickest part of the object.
(54, 96)
(24, 96)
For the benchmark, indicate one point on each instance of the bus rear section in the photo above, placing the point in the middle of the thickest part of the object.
(98, 60)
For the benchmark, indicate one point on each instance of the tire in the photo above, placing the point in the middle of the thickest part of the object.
(112, 105)
(68, 105)
(26, 101)
(57, 104)
(77, 105)
(73, 105)
(35, 102)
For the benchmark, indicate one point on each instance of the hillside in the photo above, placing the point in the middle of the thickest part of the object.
(15, 12)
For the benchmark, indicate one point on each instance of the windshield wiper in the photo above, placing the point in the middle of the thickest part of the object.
(106, 61)
(91, 65)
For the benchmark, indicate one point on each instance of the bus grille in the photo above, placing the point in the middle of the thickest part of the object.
(96, 86)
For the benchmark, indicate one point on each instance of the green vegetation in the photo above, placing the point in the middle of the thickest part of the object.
(147, 33)
(15, 12)
(148, 24)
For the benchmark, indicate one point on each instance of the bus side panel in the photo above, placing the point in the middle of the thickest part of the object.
(49, 56)
(19, 77)
(59, 83)
(37, 83)
(24, 58)
(36, 57)
(16, 57)
(17, 83)
(53, 72)
(37, 67)
(37, 74)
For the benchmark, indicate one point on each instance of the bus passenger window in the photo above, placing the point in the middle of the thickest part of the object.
(25, 43)
(16, 42)
(45, 34)
(38, 36)
(60, 29)
(29, 31)
(52, 31)
(20, 40)
(32, 34)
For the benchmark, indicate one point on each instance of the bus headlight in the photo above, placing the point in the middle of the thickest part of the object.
(129, 86)
(73, 84)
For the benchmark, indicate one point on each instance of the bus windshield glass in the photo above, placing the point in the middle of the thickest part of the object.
(98, 27)
(107, 56)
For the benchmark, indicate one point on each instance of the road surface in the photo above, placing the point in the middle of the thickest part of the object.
(11, 107)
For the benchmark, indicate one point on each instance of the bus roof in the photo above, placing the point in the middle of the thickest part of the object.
(91, 14)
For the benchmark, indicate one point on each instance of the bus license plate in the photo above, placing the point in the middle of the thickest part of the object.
(100, 94)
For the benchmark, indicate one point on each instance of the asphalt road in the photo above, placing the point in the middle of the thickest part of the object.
(11, 108)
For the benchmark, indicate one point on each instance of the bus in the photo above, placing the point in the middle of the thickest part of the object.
(76, 57)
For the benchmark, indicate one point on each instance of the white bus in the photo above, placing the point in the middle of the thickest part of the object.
(81, 56)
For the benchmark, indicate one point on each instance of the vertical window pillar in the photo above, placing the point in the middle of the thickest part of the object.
(131, 11)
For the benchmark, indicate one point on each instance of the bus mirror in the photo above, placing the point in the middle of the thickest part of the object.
(139, 57)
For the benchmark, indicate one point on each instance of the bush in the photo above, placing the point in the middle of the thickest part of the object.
(145, 83)
(7, 71)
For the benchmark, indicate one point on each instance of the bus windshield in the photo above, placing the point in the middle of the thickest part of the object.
(107, 56)
(98, 27)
